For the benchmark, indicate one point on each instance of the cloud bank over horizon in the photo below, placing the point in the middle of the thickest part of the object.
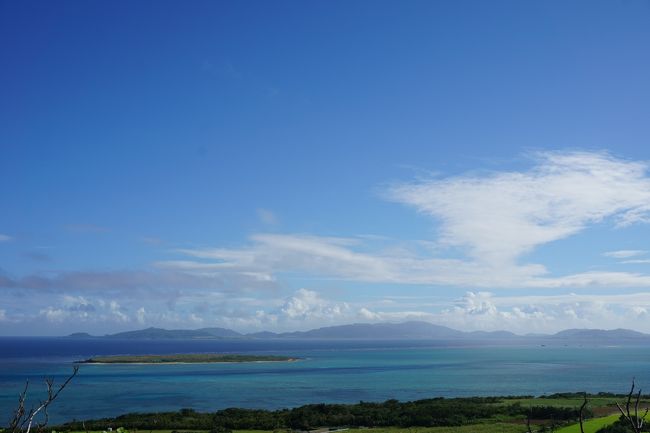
(480, 270)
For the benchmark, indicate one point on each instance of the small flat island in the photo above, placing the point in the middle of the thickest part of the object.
(196, 358)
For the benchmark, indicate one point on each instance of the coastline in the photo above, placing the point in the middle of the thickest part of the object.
(185, 358)
(184, 362)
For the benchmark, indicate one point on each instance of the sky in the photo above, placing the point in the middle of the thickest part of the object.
(288, 165)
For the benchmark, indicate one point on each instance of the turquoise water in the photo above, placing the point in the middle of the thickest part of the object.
(329, 372)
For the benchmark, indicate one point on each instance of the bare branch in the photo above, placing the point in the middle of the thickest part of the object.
(633, 420)
(582, 413)
(23, 421)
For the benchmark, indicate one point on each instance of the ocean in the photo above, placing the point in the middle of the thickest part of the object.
(329, 371)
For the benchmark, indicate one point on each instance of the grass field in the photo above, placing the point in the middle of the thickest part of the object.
(472, 428)
(591, 426)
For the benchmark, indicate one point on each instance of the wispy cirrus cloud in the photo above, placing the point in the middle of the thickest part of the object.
(624, 254)
(131, 283)
(271, 255)
(494, 218)
(498, 217)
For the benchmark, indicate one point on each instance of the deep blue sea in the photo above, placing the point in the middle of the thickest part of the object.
(330, 371)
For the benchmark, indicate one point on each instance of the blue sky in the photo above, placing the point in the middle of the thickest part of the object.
(287, 165)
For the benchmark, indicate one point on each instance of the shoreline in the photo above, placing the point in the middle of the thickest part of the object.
(182, 362)
(184, 358)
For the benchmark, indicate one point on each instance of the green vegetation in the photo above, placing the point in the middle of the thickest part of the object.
(499, 427)
(382, 417)
(471, 428)
(591, 426)
(184, 358)
(572, 399)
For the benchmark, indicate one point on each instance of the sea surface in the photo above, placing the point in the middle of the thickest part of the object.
(329, 371)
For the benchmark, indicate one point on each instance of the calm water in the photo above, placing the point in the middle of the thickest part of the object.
(331, 371)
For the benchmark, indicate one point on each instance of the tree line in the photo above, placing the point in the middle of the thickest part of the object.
(422, 413)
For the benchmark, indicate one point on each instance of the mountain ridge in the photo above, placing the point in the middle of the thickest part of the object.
(416, 330)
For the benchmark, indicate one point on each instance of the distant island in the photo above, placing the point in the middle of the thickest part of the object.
(196, 358)
(414, 330)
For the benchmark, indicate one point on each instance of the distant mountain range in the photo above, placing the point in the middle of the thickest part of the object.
(388, 331)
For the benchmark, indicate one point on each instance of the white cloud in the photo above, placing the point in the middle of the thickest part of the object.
(193, 318)
(54, 314)
(5, 238)
(624, 254)
(525, 314)
(548, 313)
(116, 311)
(140, 315)
(487, 223)
(304, 309)
(499, 217)
(307, 309)
(494, 218)
(347, 259)
(3, 315)
(307, 305)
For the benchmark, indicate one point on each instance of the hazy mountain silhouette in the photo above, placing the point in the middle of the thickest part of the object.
(389, 331)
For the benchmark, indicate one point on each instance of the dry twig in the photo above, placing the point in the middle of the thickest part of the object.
(23, 420)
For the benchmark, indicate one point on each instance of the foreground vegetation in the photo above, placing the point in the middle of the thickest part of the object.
(183, 358)
(555, 413)
(491, 412)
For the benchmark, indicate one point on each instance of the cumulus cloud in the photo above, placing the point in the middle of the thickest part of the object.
(116, 310)
(525, 314)
(308, 304)
(70, 307)
(140, 315)
(75, 309)
(54, 314)
(485, 311)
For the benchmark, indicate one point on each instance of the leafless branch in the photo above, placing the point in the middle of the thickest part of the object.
(23, 421)
(635, 422)
(582, 413)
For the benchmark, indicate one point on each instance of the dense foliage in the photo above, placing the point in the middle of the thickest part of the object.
(425, 413)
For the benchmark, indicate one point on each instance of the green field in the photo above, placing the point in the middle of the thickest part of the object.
(471, 428)
(590, 426)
